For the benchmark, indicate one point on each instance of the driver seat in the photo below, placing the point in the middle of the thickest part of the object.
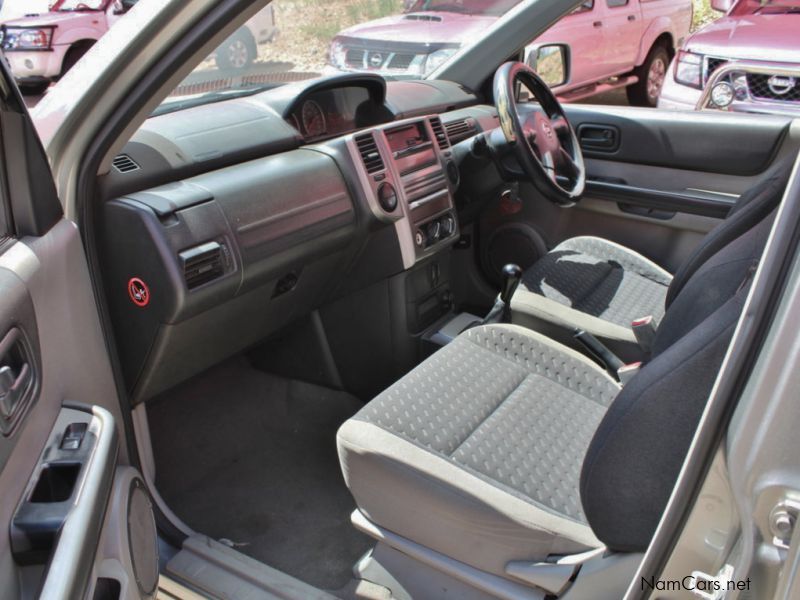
(600, 287)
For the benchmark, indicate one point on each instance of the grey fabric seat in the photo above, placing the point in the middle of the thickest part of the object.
(486, 440)
(508, 446)
(601, 287)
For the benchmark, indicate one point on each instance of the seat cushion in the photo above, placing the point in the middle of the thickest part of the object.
(592, 284)
(477, 453)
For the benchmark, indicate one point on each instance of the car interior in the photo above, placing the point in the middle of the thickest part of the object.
(420, 336)
(299, 282)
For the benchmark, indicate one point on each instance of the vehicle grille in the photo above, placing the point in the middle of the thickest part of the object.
(786, 89)
(712, 64)
(359, 58)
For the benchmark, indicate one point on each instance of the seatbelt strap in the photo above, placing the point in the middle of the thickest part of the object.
(644, 330)
(599, 352)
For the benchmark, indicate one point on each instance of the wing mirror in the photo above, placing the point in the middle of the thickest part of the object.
(722, 5)
(551, 63)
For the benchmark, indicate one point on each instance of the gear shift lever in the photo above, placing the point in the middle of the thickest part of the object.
(512, 275)
(501, 311)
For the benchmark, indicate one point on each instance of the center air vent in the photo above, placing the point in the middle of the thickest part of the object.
(369, 153)
(202, 264)
(458, 131)
(124, 164)
(439, 132)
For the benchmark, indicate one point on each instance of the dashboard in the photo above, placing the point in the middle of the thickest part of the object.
(243, 215)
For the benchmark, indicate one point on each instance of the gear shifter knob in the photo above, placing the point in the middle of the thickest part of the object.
(512, 274)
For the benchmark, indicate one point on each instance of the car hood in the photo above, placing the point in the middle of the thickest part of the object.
(52, 19)
(423, 28)
(770, 38)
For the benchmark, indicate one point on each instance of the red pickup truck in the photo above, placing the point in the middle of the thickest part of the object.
(612, 43)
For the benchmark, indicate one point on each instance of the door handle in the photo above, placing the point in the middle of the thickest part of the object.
(597, 24)
(631, 17)
(12, 387)
(16, 379)
(598, 138)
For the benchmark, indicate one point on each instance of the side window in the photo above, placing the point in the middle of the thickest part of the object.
(584, 7)
(616, 3)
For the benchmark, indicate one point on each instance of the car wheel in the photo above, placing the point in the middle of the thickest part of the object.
(652, 75)
(238, 52)
(34, 89)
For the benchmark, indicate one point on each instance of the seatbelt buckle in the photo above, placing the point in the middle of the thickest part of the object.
(644, 330)
(628, 372)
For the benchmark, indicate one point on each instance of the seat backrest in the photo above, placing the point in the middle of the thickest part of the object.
(749, 210)
(636, 454)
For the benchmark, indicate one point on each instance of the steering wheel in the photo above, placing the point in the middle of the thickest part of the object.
(543, 141)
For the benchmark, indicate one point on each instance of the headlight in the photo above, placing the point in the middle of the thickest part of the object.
(437, 59)
(28, 39)
(338, 54)
(689, 69)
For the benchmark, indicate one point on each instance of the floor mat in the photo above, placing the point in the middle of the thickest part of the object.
(250, 457)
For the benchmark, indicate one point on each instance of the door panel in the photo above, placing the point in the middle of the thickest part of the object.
(670, 178)
(61, 448)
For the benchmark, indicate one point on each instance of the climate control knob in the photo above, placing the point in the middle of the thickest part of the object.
(387, 197)
(434, 232)
(448, 225)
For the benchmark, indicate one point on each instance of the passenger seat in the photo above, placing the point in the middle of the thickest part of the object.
(505, 449)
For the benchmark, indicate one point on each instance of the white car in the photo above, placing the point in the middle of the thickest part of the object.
(41, 48)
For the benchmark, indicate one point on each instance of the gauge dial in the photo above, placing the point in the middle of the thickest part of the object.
(313, 119)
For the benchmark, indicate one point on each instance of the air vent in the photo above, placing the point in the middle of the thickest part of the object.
(423, 17)
(459, 131)
(125, 164)
(439, 132)
(369, 153)
(202, 264)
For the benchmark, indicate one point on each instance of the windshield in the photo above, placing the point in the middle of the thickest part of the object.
(74, 5)
(467, 7)
(766, 7)
(294, 40)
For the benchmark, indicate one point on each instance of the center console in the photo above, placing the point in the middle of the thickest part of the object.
(409, 178)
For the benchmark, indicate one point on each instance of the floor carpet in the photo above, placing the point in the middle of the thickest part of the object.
(249, 457)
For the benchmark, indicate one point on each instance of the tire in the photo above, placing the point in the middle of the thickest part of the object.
(652, 75)
(237, 53)
(34, 89)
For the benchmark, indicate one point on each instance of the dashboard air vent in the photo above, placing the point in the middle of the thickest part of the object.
(202, 264)
(369, 153)
(439, 132)
(125, 164)
(459, 131)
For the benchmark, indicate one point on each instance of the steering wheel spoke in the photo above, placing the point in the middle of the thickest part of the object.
(551, 157)
(569, 163)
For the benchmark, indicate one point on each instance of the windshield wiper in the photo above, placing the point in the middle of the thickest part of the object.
(209, 98)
